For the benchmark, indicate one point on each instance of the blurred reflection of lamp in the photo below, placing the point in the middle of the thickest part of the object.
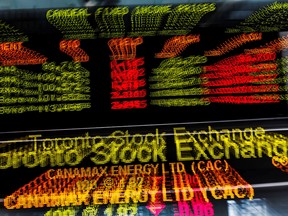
(89, 3)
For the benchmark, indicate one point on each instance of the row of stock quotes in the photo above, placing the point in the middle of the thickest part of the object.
(138, 171)
(181, 75)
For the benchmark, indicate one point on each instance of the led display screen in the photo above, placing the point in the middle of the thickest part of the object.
(186, 169)
(139, 64)
(144, 110)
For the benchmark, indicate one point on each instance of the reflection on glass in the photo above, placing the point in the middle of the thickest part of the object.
(253, 207)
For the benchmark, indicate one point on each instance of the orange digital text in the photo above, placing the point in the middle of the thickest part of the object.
(124, 48)
(174, 46)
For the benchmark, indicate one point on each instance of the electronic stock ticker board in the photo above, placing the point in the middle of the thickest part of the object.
(99, 107)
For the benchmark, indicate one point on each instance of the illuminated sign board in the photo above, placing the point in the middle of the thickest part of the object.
(130, 63)
(140, 66)
(147, 169)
